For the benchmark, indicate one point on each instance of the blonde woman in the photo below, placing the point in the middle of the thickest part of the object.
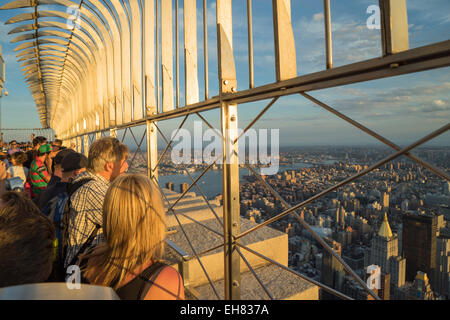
(134, 227)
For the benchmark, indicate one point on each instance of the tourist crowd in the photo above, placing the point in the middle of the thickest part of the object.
(60, 209)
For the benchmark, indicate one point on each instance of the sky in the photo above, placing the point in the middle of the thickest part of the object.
(403, 108)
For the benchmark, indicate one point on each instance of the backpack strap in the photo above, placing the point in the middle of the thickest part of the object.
(86, 245)
(74, 186)
(138, 288)
(71, 189)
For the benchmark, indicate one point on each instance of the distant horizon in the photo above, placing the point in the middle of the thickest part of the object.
(327, 146)
(347, 145)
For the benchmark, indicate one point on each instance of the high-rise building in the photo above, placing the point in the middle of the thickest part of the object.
(355, 205)
(442, 275)
(385, 200)
(354, 290)
(419, 289)
(384, 246)
(341, 217)
(422, 286)
(447, 188)
(385, 285)
(419, 244)
(405, 205)
(332, 273)
(384, 253)
(441, 223)
(397, 267)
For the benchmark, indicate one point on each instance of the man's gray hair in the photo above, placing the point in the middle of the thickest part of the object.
(105, 150)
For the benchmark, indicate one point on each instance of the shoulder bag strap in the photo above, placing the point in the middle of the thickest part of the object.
(149, 276)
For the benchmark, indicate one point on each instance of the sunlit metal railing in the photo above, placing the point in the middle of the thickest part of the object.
(100, 73)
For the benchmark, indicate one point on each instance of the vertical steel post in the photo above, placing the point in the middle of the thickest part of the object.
(231, 200)
(167, 55)
(86, 144)
(158, 52)
(394, 26)
(285, 56)
(328, 34)
(230, 176)
(78, 144)
(152, 150)
(251, 74)
(177, 56)
(205, 47)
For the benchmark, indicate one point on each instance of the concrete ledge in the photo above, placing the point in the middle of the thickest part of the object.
(200, 214)
(281, 284)
(172, 195)
(267, 241)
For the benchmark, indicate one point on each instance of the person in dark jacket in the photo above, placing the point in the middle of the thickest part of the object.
(72, 164)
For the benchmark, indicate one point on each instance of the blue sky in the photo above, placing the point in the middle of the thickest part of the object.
(403, 108)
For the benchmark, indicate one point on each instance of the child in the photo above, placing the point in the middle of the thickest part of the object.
(17, 169)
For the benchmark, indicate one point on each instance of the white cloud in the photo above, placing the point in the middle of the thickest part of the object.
(352, 41)
(439, 103)
(398, 102)
(318, 17)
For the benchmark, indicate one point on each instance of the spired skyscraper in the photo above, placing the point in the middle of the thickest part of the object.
(384, 253)
(384, 246)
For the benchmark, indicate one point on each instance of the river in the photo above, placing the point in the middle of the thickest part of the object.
(211, 182)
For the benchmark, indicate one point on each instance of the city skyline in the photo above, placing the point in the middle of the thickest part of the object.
(363, 220)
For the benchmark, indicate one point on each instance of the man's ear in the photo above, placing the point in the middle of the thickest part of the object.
(109, 167)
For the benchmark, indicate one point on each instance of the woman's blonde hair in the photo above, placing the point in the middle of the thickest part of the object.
(134, 229)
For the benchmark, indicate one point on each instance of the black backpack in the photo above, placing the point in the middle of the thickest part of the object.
(59, 272)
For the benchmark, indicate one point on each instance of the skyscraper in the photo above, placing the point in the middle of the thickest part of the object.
(385, 200)
(422, 287)
(384, 253)
(384, 246)
(340, 217)
(442, 275)
(419, 244)
(385, 293)
(397, 268)
(447, 188)
(332, 273)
